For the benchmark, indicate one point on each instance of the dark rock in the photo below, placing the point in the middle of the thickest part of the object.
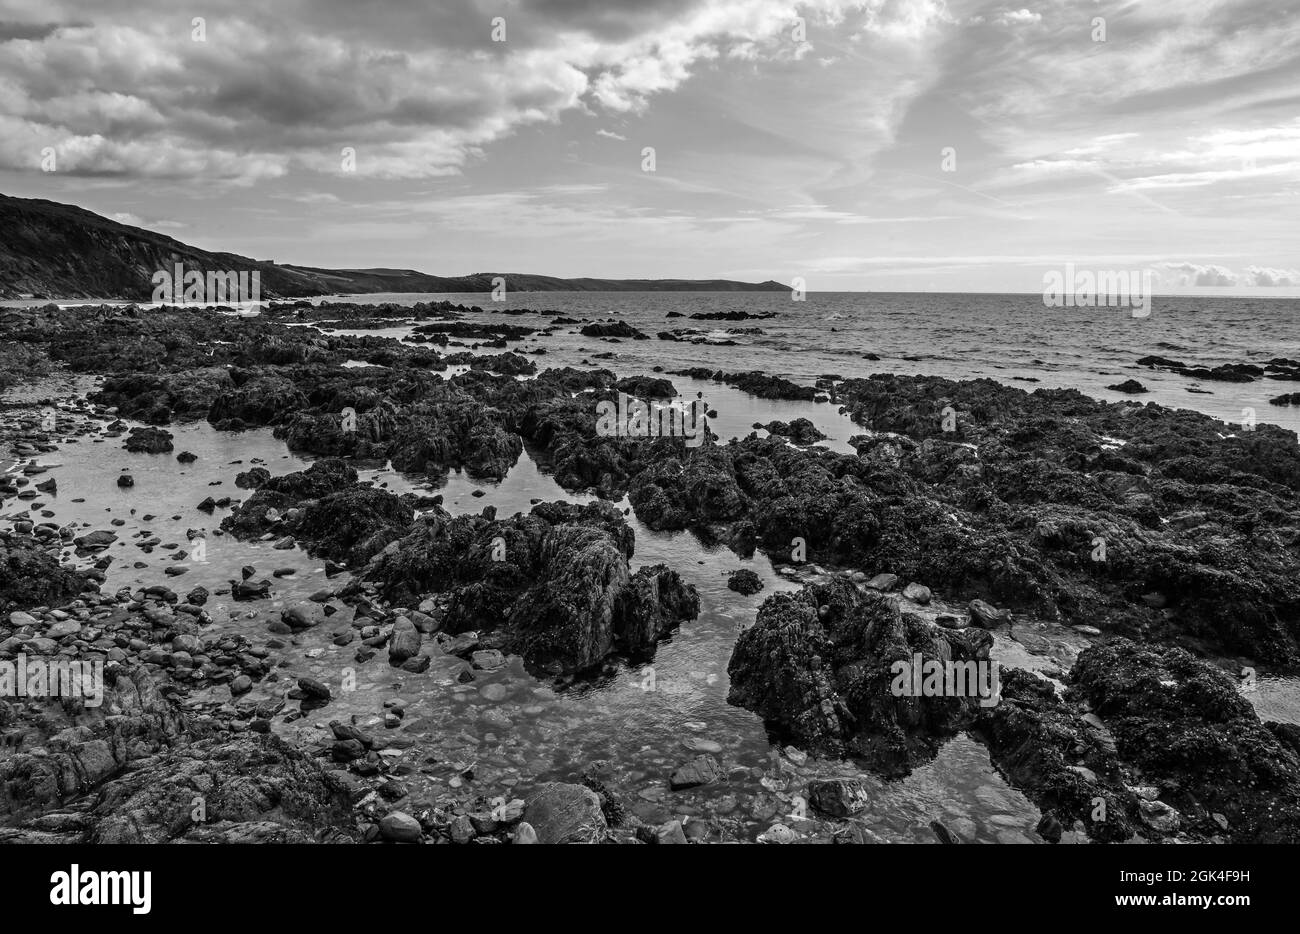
(745, 582)
(617, 329)
(149, 441)
(838, 797)
(985, 616)
(1130, 386)
(702, 770)
(820, 665)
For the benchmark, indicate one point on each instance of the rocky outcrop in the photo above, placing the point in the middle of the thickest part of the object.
(800, 431)
(159, 399)
(253, 789)
(149, 441)
(615, 329)
(1183, 726)
(250, 789)
(1066, 765)
(326, 510)
(554, 585)
(73, 747)
(819, 666)
(647, 387)
(744, 582)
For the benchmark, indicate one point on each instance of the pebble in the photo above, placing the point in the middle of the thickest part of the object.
(779, 834)
(400, 827)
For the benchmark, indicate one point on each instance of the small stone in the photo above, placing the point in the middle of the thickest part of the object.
(699, 771)
(778, 834)
(487, 659)
(942, 833)
(699, 744)
(405, 641)
(1159, 816)
(986, 616)
(883, 582)
(917, 593)
(838, 797)
(671, 832)
(302, 616)
(1050, 829)
(400, 828)
(314, 689)
(462, 830)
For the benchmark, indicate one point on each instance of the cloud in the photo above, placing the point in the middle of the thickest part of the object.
(127, 91)
(1018, 18)
(1213, 275)
(611, 134)
(1189, 274)
(1273, 278)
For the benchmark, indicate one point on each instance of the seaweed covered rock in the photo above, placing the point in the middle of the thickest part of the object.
(258, 399)
(614, 329)
(326, 509)
(555, 584)
(800, 431)
(30, 576)
(1065, 764)
(646, 387)
(149, 441)
(829, 668)
(1184, 726)
(744, 582)
(428, 437)
(158, 399)
(682, 487)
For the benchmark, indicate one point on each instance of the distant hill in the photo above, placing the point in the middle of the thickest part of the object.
(60, 251)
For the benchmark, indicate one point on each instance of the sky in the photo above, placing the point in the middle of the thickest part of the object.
(885, 145)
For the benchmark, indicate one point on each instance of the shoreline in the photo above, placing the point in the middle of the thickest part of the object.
(876, 511)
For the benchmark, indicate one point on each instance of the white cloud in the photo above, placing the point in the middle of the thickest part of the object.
(1019, 17)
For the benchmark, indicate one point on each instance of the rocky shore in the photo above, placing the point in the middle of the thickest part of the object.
(1143, 556)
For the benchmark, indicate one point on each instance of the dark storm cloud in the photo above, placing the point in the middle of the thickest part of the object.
(25, 30)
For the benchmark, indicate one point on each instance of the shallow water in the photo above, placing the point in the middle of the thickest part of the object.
(643, 720)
